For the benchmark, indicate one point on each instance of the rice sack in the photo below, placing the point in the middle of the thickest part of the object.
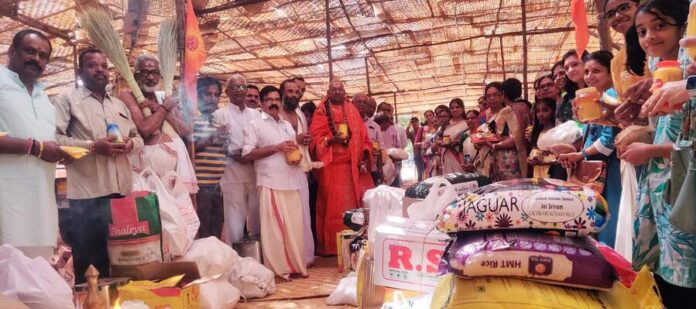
(545, 204)
(553, 259)
(461, 181)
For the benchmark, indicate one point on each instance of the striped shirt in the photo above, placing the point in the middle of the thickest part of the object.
(210, 162)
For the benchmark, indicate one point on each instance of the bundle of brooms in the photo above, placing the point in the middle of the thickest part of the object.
(96, 21)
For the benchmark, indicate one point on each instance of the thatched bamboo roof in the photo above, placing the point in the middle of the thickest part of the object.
(425, 51)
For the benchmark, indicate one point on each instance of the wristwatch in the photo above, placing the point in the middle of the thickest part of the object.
(691, 86)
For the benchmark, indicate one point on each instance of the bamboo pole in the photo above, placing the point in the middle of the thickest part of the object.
(367, 77)
(396, 112)
(502, 57)
(605, 42)
(328, 38)
(524, 46)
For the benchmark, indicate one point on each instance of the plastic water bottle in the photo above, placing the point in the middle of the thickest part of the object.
(691, 28)
(112, 131)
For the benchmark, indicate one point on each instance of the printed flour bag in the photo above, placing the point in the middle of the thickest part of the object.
(134, 234)
(545, 204)
(531, 255)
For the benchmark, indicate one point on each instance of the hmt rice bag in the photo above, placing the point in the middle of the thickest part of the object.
(545, 204)
(134, 229)
(553, 259)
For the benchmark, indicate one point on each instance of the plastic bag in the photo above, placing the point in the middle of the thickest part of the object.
(434, 202)
(211, 255)
(32, 281)
(382, 202)
(252, 279)
(565, 133)
(218, 294)
(511, 293)
(176, 187)
(176, 239)
(346, 292)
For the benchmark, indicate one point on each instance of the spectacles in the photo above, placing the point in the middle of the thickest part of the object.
(239, 87)
(492, 95)
(621, 9)
(148, 72)
(546, 86)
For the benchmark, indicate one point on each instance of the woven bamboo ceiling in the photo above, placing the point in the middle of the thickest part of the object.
(425, 51)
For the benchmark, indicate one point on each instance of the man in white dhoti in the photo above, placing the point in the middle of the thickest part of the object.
(266, 141)
(239, 181)
(290, 96)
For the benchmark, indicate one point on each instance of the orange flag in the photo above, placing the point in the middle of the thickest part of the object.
(579, 16)
(194, 53)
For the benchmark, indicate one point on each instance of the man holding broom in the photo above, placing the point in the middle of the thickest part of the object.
(82, 115)
(161, 124)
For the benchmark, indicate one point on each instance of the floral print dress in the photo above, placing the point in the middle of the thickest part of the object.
(668, 252)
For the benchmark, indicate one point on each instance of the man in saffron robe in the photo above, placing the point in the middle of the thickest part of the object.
(346, 157)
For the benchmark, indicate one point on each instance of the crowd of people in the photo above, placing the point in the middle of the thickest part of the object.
(264, 165)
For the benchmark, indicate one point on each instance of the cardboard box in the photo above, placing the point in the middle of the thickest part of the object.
(178, 288)
(407, 254)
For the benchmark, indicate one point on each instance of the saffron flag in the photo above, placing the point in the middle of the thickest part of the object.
(579, 17)
(194, 53)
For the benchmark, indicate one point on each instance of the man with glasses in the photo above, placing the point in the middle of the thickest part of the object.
(545, 88)
(240, 198)
(161, 124)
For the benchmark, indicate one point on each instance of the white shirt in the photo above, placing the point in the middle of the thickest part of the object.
(374, 132)
(394, 137)
(403, 137)
(273, 171)
(236, 120)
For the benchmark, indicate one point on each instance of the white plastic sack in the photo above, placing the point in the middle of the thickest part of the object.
(565, 133)
(400, 302)
(32, 281)
(624, 227)
(176, 187)
(175, 235)
(382, 202)
(442, 193)
(252, 279)
(218, 294)
(211, 255)
(346, 292)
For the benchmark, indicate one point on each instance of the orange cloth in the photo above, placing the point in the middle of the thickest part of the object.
(341, 184)
(194, 54)
(579, 17)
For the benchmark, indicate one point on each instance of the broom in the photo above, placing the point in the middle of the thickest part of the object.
(96, 21)
(166, 49)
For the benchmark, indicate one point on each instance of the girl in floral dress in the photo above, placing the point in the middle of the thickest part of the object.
(669, 252)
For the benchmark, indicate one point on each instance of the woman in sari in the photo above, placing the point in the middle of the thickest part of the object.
(424, 133)
(431, 146)
(452, 159)
(505, 157)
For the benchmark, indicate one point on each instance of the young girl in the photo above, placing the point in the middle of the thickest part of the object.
(669, 252)
(599, 141)
(575, 79)
(544, 120)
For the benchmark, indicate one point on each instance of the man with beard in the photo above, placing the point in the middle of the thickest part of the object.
(28, 211)
(252, 97)
(238, 183)
(82, 116)
(339, 140)
(366, 107)
(266, 140)
(290, 96)
(161, 124)
(209, 139)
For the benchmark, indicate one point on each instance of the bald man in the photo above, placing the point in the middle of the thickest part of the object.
(367, 106)
(239, 180)
(346, 155)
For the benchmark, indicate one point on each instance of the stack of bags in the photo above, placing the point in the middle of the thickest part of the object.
(510, 235)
